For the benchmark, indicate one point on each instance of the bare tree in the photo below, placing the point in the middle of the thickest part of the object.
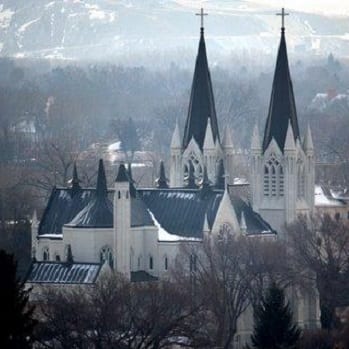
(114, 314)
(320, 244)
(220, 284)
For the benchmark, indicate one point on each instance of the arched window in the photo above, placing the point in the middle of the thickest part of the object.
(151, 263)
(131, 259)
(139, 262)
(166, 263)
(119, 194)
(273, 181)
(193, 262)
(46, 253)
(106, 254)
(58, 258)
(198, 168)
(225, 230)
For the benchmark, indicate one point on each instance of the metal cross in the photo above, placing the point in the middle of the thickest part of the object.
(282, 14)
(202, 14)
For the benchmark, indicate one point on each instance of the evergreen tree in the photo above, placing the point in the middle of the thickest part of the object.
(16, 315)
(273, 328)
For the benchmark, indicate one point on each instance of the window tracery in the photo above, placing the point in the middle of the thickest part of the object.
(273, 180)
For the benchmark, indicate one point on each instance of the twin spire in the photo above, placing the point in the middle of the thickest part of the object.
(201, 105)
(282, 107)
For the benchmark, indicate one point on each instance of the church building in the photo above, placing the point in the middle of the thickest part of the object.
(139, 231)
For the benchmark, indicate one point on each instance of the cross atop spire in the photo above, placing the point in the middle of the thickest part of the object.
(283, 14)
(202, 14)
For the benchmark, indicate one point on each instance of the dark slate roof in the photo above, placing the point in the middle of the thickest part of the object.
(182, 211)
(62, 207)
(98, 213)
(142, 276)
(63, 273)
(79, 211)
(139, 214)
(201, 106)
(282, 106)
(254, 222)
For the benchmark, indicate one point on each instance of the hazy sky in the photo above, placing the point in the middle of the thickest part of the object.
(331, 7)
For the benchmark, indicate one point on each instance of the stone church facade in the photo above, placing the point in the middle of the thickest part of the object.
(139, 231)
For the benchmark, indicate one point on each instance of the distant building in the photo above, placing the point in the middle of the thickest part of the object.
(139, 231)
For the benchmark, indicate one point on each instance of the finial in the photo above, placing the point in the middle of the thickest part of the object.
(282, 14)
(161, 182)
(101, 187)
(220, 179)
(202, 14)
(75, 181)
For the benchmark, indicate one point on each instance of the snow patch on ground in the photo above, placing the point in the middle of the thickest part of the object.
(5, 17)
(24, 27)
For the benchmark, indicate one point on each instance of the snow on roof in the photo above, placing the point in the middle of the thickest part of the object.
(321, 199)
(163, 235)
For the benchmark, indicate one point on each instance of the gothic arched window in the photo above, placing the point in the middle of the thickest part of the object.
(198, 168)
(273, 180)
(106, 254)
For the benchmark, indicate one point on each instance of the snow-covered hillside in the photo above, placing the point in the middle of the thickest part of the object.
(102, 29)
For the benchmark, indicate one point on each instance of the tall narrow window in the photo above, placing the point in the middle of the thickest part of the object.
(273, 179)
(151, 263)
(46, 254)
(166, 263)
(193, 262)
(300, 179)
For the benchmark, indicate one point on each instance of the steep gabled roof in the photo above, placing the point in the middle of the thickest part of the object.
(99, 211)
(201, 106)
(282, 108)
(62, 208)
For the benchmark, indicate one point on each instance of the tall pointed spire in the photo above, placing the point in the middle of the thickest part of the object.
(176, 140)
(161, 182)
(208, 140)
(282, 108)
(256, 143)
(227, 141)
(201, 106)
(75, 182)
(101, 188)
(220, 179)
(122, 175)
(308, 141)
